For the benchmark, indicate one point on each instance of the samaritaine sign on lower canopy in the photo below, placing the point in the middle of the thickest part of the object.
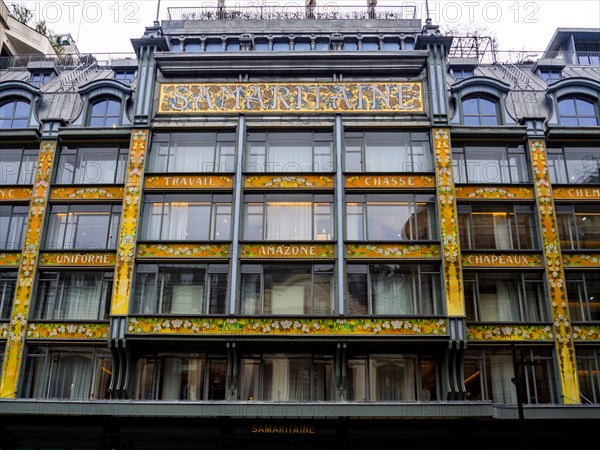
(194, 98)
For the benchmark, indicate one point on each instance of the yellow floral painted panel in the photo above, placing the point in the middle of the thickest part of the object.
(67, 331)
(509, 333)
(27, 269)
(501, 260)
(586, 333)
(189, 182)
(183, 251)
(288, 251)
(393, 251)
(10, 259)
(554, 271)
(494, 192)
(78, 259)
(129, 222)
(289, 181)
(261, 326)
(389, 181)
(3, 330)
(576, 193)
(10, 194)
(294, 98)
(87, 193)
(448, 223)
(581, 260)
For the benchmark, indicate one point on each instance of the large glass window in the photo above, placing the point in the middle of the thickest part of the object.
(390, 217)
(574, 164)
(583, 294)
(489, 374)
(177, 376)
(13, 226)
(18, 165)
(73, 295)
(289, 151)
(15, 114)
(67, 373)
(98, 164)
(287, 289)
(286, 378)
(105, 113)
(394, 289)
(578, 226)
(480, 111)
(83, 227)
(387, 151)
(588, 371)
(505, 296)
(180, 289)
(588, 53)
(485, 163)
(497, 227)
(577, 112)
(186, 217)
(8, 285)
(201, 151)
(391, 378)
(288, 217)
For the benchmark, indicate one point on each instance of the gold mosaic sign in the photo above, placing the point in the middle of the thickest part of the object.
(581, 259)
(288, 251)
(296, 98)
(27, 269)
(289, 181)
(64, 331)
(77, 259)
(392, 251)
(493, 192)
(448, 223)
(87, 193)
(577, 193)
(14, 193)
(10, 259)
(489, 333)
(565, 349)
(189, 182)
(501, 260)
(389, 181)
(180, 251)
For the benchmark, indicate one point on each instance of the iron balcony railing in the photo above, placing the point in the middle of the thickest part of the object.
(292, 12)
(64, 61)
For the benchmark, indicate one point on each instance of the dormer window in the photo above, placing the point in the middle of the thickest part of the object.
(38, 79)
(15, 114)
(462, 73)
(125, 76)
(551, 75)
(105, 113)
(576, 111)
(588, 53)
(479, 111)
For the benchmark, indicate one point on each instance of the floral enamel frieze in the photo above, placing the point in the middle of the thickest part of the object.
(501, 259)
(289, 181)
(189, 182)
(509, 333)
(67, 331)
(448, 223)
(390, 181)
(183, 251)
(10, 259)
(393, 251)
(87, 193)
(581, 260)
(261, 326)
(291, 98)
(554, 270)
(129, 222)
(576, 193)
(586, 333)
(494, 192)
(288, 251)
(27, 270)
(10, 194)
(77, 259)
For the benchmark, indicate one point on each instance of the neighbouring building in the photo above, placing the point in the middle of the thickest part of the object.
(303, 227)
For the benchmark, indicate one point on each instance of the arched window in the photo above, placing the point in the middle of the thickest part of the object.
(105, 113)
(574, 111)
(479, 111)
(15, 114)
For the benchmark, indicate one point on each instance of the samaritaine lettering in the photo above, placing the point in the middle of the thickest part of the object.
(283, 429)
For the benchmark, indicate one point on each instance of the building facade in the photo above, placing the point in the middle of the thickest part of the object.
(316, 227)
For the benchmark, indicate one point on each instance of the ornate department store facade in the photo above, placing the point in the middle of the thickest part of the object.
(300, 228)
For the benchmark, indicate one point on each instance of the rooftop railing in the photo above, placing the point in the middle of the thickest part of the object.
(65, 61)
(292, 12)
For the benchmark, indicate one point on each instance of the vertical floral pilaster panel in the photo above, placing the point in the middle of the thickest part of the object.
(555, 276)
(129, 222)
(27, 269)
(448, 223)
